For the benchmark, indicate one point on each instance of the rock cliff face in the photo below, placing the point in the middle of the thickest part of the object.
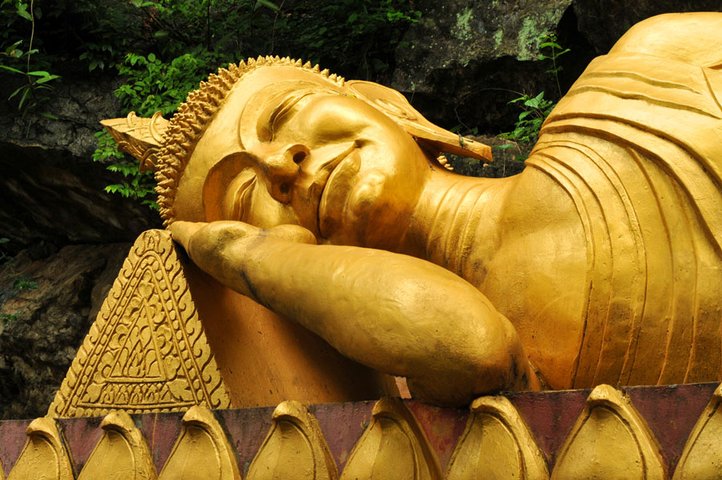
(602, 22)
(49, 187)
(48, 298)
(460, 65)
(53, 210)
(465, 60)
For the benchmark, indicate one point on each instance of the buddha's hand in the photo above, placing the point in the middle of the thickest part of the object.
(221, 248)
(395, 313)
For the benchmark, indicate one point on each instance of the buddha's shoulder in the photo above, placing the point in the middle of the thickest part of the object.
(539, 201)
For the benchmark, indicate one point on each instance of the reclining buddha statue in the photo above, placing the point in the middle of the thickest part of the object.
(327, 201)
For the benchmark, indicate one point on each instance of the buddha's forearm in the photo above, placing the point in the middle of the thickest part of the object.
(394, 313)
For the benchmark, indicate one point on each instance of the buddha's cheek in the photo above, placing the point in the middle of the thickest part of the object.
(375, 214)
(363, 202)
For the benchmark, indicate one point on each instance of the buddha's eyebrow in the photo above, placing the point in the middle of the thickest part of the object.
(282, 112)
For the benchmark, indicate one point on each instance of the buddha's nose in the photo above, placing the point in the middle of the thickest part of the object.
(281, 168)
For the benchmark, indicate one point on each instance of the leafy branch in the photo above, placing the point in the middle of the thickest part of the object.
(551, 50)
(535, 109)
(35, 81)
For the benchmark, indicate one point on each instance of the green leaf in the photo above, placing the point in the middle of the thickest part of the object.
(22, 11)
(144, 4)
(23, 98)
(267, 4)
(532, 103)
(18, 90)
(47, 78)
(552, 45)
(12, 48)
(11, 69)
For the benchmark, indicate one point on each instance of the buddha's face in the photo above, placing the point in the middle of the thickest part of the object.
(300, 150)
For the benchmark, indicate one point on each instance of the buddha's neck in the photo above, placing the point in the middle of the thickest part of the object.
(456, 223)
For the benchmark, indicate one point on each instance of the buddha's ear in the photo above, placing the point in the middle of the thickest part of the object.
(222, 180)
(140, 137)
(394, 104)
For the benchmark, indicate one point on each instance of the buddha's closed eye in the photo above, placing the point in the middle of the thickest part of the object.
(279, 110)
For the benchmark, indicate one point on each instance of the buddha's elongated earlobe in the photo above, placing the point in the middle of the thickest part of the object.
(138, 136)
(429, 136)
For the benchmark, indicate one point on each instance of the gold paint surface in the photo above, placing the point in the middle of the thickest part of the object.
(609, 441)
(701, 458)
(323, 200)
(265, 359)
(393, 446)
(43, 455)
(294, 448)
(496, 444)
(146, 350)
(141, 137)
(121, 453)
(202, 450)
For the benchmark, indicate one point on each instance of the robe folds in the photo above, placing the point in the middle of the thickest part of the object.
(640, 155)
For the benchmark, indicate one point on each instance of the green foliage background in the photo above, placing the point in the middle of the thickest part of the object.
(162, 49)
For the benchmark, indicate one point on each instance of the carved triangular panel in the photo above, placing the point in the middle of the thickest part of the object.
(138, 356)
(146, 351)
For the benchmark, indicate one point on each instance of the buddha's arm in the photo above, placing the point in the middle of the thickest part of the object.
(392, 312)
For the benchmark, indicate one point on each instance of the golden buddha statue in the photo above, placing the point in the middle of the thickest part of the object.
(324, 200)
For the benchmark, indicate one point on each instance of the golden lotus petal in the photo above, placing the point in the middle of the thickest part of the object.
(294, 448)
(43, 455)
(610, 440)
(393, 446)
(496, 444)
(202, 450)
(121, 452)
(702, 455)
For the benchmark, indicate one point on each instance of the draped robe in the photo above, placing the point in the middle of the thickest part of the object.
(640, 155)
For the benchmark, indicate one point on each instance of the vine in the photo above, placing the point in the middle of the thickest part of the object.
(34, 81)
